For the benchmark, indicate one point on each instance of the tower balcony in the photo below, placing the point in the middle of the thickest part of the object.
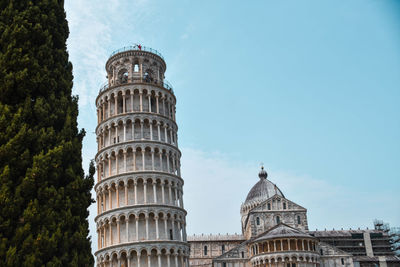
(139, 80)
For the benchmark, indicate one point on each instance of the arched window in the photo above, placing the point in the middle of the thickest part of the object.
(278, 219)
(136, 68)
(258, 220)
(223, 248)
(284, 205)
(224, 264)
(123, 76)
(205, 250)
(298, 219)
(269, 206)
(148, 75)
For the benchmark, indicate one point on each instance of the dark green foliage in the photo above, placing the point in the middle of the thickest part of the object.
(44, 196)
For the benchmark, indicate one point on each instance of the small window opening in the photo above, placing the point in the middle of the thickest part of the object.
(288, 265)
(269, 206)
(147, 77)
(284, 206)
(342, 260)
(224, 264)
(171, 236)
(136, 68)
(321, 252)
(293, 264)
(298, 219)
(258, 220)
(223, 248)
(124, 77)
(242, 254)
(205, 250)
(278, 219)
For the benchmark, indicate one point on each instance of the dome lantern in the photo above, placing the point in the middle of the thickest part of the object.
(263, 174)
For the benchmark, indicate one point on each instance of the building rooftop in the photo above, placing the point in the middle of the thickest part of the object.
(335, 233)
(282, 230)
(214, 237)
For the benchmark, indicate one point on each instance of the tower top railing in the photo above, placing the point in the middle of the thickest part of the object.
(137, 47)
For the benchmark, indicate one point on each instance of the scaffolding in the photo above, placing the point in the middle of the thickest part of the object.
(393, 233)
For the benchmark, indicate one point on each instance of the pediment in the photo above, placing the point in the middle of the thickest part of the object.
(234, 253)
(290, 205)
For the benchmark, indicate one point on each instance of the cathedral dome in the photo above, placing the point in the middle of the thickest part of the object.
(263, 189)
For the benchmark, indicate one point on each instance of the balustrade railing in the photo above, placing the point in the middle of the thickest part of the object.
(137, 47)
(164, 84)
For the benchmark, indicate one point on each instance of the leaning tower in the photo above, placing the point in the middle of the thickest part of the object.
(140, 216)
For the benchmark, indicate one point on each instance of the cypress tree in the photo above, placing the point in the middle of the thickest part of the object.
(44, 194)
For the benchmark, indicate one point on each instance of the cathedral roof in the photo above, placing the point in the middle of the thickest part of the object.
(263, 189)
(282, 231)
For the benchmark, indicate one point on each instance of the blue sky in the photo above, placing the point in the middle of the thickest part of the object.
(309, 88)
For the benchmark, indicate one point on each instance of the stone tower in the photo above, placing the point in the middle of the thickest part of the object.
(141, 219)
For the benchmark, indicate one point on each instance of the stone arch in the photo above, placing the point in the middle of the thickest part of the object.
(123, 76)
